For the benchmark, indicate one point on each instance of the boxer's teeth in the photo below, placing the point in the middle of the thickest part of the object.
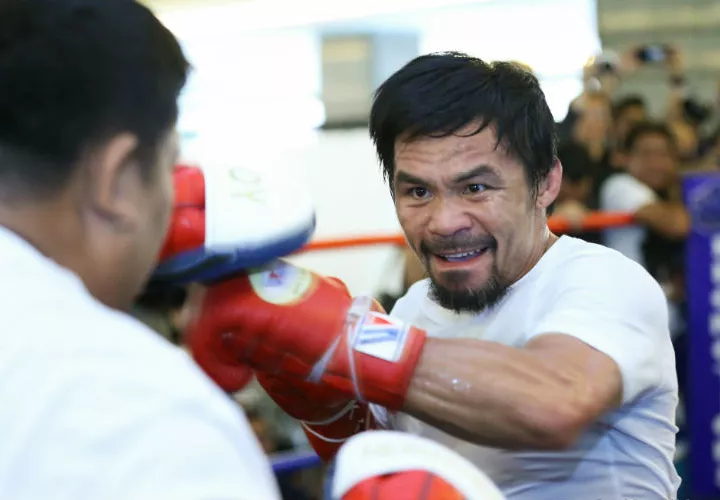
(461, 256)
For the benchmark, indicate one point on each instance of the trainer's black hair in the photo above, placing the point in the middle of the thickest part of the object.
(439, 94)
(72, 74)
(646, 128)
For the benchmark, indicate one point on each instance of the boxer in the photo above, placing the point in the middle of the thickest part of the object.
(544, 360)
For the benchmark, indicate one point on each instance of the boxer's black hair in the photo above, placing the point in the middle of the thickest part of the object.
(437, 95)
(73, 73)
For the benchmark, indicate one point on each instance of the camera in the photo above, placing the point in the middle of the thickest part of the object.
(653, 53)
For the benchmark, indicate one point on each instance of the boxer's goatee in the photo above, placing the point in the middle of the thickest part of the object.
(451, 294)
(467, 300)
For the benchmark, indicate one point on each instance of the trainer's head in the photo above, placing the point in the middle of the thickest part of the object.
(88, 99)
(468, 148)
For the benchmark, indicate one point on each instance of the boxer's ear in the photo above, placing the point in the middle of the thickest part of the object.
(549, 187)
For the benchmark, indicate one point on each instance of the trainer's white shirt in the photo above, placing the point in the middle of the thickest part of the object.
(611, 303)
(94, 405)
(624, 193)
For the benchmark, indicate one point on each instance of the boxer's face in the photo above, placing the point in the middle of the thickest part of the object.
(470, 215)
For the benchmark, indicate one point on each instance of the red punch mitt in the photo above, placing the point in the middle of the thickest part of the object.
(187, 223)
(389, 465)
(229, 219)
(287, 321)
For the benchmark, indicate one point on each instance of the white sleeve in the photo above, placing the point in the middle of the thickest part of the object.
(616, 307)
(624, 193)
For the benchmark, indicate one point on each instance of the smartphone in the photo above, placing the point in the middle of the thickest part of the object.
(653, 53)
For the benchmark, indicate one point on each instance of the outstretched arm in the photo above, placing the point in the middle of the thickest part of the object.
(538, 397)
(598, 345)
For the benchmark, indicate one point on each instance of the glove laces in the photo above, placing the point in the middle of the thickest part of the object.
(354, 322)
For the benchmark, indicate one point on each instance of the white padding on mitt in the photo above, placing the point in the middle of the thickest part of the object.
(376, 453)
(256, 205)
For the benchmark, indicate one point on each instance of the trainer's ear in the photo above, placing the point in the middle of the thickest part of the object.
(549, 187)
(115, 180)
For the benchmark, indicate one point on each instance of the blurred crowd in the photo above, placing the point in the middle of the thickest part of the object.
(616, 157)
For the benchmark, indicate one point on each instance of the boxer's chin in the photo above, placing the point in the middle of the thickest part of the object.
(456, 291)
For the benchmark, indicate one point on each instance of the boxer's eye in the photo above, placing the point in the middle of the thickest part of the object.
(418, 192)
(476, 188)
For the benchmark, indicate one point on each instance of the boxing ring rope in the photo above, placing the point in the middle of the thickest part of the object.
(594, 221)
(288, 462)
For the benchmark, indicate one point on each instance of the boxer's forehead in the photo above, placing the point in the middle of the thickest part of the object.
(445, 159)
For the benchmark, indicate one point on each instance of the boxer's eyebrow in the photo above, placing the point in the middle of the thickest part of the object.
(403, 177)
(485, 171)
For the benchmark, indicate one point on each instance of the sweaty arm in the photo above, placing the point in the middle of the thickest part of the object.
(592, 351)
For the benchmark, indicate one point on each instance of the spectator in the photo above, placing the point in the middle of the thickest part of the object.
(687, 138)
(591, 130)
(647, 191)
(711, 158)
(627, 112)
(576, 199)
(593, 125)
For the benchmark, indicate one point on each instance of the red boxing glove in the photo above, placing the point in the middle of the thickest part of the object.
(287, 320)
(327, 416)
(389, 465)
(229, 374)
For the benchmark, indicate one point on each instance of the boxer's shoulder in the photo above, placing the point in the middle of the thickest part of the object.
(571, 256)
(578, 266)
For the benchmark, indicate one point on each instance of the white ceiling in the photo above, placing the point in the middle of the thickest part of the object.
(260, 15)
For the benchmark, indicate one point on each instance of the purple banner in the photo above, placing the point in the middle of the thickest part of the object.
(702, 197)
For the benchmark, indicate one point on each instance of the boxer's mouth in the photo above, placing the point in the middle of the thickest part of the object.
(462, 255)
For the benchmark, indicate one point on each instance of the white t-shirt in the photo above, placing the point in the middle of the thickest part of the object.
(624, 193)
(611, 303)
(94, 405)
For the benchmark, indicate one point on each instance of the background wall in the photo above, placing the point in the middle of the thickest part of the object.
(690, 24)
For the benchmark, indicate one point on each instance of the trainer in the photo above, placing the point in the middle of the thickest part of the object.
(94, 405)
(544, 360)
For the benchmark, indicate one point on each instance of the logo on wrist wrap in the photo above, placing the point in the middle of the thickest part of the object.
(381, 336)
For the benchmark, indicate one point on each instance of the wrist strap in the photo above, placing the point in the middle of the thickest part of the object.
(348, 409)
(345, 410)
(320, 436)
